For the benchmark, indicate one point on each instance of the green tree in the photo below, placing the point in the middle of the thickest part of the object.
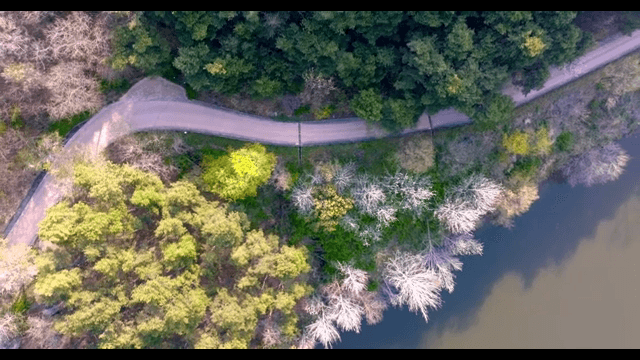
(191, 61)
(238, 174)
(266, 88)
(139, 45)
(439, 58)
(459, 41)
(403, 113)
(368, 105)
(498, 111)
(149, 286)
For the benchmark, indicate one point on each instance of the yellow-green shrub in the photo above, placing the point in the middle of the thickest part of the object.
(543, 143)
(516, 143)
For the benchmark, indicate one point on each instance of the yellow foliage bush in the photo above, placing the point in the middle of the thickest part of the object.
(533, 45)
(543, 142)
(516, 143)
(329, 207)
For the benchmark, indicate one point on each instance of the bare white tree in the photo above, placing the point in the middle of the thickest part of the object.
(72, 90)
(409, 192)
(483, 193)
(306, 341)
(415, 199)
(270, 334)
(458, 216)
(302, 198)
(596, 166)
(409, 282)
(344, 176)
(8, 331)
(373, 306)
(316, 88)
(281, 178)
(350, 223)
(369, 234)
(147, 152)
(386, 215)
(468, 202)
(323, 330)
(343, 302)
(15, 42)
(443, 264)
(318, 177)
(368, 195)
(354, 280)
(41, 334)
(345, 310)
(315, 305)
(463, 244)
(17, 267)
(78, 37)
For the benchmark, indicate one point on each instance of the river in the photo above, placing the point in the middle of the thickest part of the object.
(565, 276)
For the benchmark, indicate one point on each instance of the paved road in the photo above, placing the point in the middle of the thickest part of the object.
(610, 49)
(158, 104)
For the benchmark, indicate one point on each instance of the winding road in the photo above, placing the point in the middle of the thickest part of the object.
(154, 104)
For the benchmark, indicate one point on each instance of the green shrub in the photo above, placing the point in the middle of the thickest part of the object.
(117, 85)
(21, 305)
(265, 88)
(543, 143)
(564, 142)
(342, 246)
(16, 117)
(305, 109)
(595, 104)
(191, 93)
(524, 170)
(63, 126)
(373, 285)
(497, 112)
(3, 127)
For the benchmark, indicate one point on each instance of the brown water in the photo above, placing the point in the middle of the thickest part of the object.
(589, 300)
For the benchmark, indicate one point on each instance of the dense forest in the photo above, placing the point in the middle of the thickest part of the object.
(390, 65)
(172, 240)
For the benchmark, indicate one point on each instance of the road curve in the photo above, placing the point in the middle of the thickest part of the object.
(154, 104)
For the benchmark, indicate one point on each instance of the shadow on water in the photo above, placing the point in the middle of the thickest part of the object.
(547, 234)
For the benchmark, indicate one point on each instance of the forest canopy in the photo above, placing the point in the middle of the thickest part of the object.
(434, 59)
(139, 264)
